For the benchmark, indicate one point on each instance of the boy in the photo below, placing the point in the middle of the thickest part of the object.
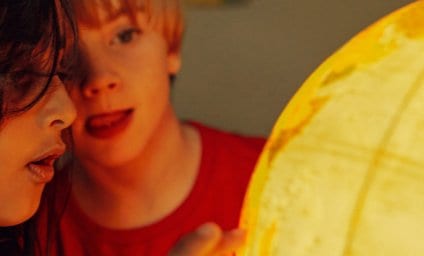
(143, 178)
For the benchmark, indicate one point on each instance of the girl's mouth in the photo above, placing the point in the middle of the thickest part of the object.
(108, 125)
(42, 169)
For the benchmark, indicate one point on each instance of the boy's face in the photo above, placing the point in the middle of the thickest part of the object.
(124, 96)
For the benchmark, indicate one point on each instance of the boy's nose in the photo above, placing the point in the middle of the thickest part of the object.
(100, 84)
(98, 73)
(95, 89)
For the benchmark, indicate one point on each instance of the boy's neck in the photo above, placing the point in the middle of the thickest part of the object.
(148, 188)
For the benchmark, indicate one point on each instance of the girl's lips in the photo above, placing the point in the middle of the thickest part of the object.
(108, 125)
(42, 168)
(41, 172)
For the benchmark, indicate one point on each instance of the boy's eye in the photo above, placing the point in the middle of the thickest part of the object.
(126, 36)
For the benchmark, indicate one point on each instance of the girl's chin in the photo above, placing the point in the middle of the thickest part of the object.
(18, 215)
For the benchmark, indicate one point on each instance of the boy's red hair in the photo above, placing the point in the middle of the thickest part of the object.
(165, 16)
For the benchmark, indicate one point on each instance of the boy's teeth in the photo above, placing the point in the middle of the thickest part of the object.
(106, 120)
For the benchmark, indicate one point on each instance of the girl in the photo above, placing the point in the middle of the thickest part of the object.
(34, 110)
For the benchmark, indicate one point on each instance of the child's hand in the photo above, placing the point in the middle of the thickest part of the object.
(209, 240)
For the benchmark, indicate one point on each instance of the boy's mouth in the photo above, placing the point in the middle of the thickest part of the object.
(108, 125)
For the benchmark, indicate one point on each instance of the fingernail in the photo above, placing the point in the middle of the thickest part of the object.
(206, 230)
(239, 232)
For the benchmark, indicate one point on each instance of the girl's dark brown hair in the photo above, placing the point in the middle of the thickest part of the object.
(34, 34)
(36, 39)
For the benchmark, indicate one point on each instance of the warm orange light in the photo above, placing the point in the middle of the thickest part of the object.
(343, 171)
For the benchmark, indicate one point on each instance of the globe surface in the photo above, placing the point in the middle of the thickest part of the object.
(343, 170)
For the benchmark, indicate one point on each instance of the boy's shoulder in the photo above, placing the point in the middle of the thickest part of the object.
(228, 141)
(223, 150)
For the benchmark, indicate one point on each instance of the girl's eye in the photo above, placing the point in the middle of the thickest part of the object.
(65, 77)
(24, 88)
(126, 36)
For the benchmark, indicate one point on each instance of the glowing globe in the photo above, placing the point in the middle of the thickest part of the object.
(343, 170)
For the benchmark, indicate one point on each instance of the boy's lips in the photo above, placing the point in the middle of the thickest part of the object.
(108, 125)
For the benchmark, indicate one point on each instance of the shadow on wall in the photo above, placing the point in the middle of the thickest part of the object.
(213, 3)
(242, 63)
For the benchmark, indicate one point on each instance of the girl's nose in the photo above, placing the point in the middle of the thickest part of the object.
(59, 111)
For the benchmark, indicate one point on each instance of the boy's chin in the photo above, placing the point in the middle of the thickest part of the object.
(116, 160)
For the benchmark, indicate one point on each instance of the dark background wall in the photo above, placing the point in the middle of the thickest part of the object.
(242, 63)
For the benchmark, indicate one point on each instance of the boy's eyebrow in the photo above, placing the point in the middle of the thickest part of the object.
(113, 15)
(122, 10)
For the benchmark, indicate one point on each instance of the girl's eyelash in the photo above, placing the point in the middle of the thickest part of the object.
(26, 87)
(63, 75)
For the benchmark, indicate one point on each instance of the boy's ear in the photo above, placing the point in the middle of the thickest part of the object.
(174, 62)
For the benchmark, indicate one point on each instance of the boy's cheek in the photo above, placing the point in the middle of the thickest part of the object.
(76, 96)
(78, 133)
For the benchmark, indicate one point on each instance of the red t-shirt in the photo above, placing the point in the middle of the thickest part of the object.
(226, 166)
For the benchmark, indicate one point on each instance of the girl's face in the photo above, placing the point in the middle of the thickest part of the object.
(29, 144)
